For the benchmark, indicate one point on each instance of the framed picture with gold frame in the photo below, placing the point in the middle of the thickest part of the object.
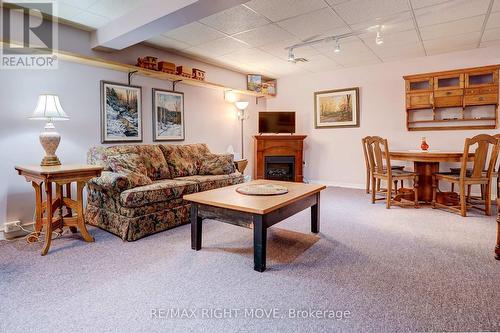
(336, 108)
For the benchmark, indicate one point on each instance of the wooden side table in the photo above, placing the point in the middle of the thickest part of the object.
(49, 212)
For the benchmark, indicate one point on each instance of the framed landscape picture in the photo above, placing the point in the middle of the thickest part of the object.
(336, 108)
(168, 115)
(121, 113)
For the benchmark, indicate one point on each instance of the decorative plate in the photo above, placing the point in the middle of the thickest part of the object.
(262, 189)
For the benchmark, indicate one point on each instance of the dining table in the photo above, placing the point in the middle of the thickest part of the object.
(426, 163)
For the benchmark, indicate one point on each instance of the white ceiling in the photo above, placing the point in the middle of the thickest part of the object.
(252, 37)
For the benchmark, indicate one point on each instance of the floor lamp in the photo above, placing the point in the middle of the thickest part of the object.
(241, 106)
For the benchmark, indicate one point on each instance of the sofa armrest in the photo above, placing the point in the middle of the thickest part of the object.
(110, 181)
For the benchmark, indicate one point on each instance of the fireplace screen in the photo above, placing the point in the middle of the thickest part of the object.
(280, 168)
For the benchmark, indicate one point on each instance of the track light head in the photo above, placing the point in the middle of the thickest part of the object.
(337, 46)
(291, 56)
(379, 39)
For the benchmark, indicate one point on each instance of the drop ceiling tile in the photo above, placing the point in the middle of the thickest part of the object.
(491, 34)
(234, 20)
(82, 4)
(66, 11)
(312, 24)
(91, 20)
(168, 43)
(450, 11)
(113, 9)
(267, 34)
(426, 3)
(357, 11)
(194, 34)
(219, 47)
(319, 63)
(493, 21)
(496, 6)
(251, 55)
(471, 24)
(390, 24)
(350, 59)
(401, 51)
(277, 10)
(453, 43)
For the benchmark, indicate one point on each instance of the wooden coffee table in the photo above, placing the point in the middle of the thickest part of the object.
(256, 212)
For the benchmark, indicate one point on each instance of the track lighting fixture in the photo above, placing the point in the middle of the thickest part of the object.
(337, 46)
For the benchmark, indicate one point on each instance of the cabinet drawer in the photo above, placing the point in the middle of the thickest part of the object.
(483, 90)
(419, 101)
(446, 93)
(481, 99)
(448, 101)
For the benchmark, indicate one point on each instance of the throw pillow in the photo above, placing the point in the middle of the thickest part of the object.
(131, 166)
(215, 164)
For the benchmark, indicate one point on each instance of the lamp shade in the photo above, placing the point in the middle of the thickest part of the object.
(49, 108)
(241, 105)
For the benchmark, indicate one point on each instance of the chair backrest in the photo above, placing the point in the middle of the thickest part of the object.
(365, 152)
(378, 151)
(486, 148)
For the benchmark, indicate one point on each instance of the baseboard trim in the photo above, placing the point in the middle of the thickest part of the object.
(330, 183)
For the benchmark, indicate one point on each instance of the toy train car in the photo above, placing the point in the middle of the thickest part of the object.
(184, 71)
(167, 67)
(148, 63)
(198, 74)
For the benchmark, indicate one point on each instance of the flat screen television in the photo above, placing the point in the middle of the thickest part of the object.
(277, 122)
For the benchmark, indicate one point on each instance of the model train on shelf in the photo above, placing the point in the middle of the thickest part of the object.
(170, 68)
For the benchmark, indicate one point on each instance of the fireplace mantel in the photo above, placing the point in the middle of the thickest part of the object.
(278, 145)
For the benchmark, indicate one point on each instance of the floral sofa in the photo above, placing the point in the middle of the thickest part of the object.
(141, 188)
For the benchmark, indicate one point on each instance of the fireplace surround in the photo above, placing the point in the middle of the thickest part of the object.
(278, 157)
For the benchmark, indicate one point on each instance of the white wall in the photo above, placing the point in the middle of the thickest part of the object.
(334, 156)
(208, 118)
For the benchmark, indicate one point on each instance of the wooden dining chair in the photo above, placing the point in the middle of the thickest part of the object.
(377, 150)
(477, 150)
(368, 172)
(495, 174)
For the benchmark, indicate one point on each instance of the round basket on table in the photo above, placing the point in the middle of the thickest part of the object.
(262, 189)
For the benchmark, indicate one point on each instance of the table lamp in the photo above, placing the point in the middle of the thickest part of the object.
(49, 109)
(241, 106)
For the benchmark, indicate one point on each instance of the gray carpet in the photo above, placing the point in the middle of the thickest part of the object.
(393, 271)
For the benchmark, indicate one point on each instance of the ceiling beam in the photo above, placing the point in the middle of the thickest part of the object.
(152, 18)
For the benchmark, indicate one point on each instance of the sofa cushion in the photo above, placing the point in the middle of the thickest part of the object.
(154, 161)
(217, 164)
(184, 160)
(158, 191)
(211, 182)
(132, 167)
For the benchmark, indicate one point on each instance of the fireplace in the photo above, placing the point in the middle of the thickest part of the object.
(280, 168)
(278, 157)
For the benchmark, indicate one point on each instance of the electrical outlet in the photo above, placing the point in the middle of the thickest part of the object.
(12, 226)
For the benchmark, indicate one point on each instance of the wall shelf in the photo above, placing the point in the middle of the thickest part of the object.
(117, 66)
(108, 64)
